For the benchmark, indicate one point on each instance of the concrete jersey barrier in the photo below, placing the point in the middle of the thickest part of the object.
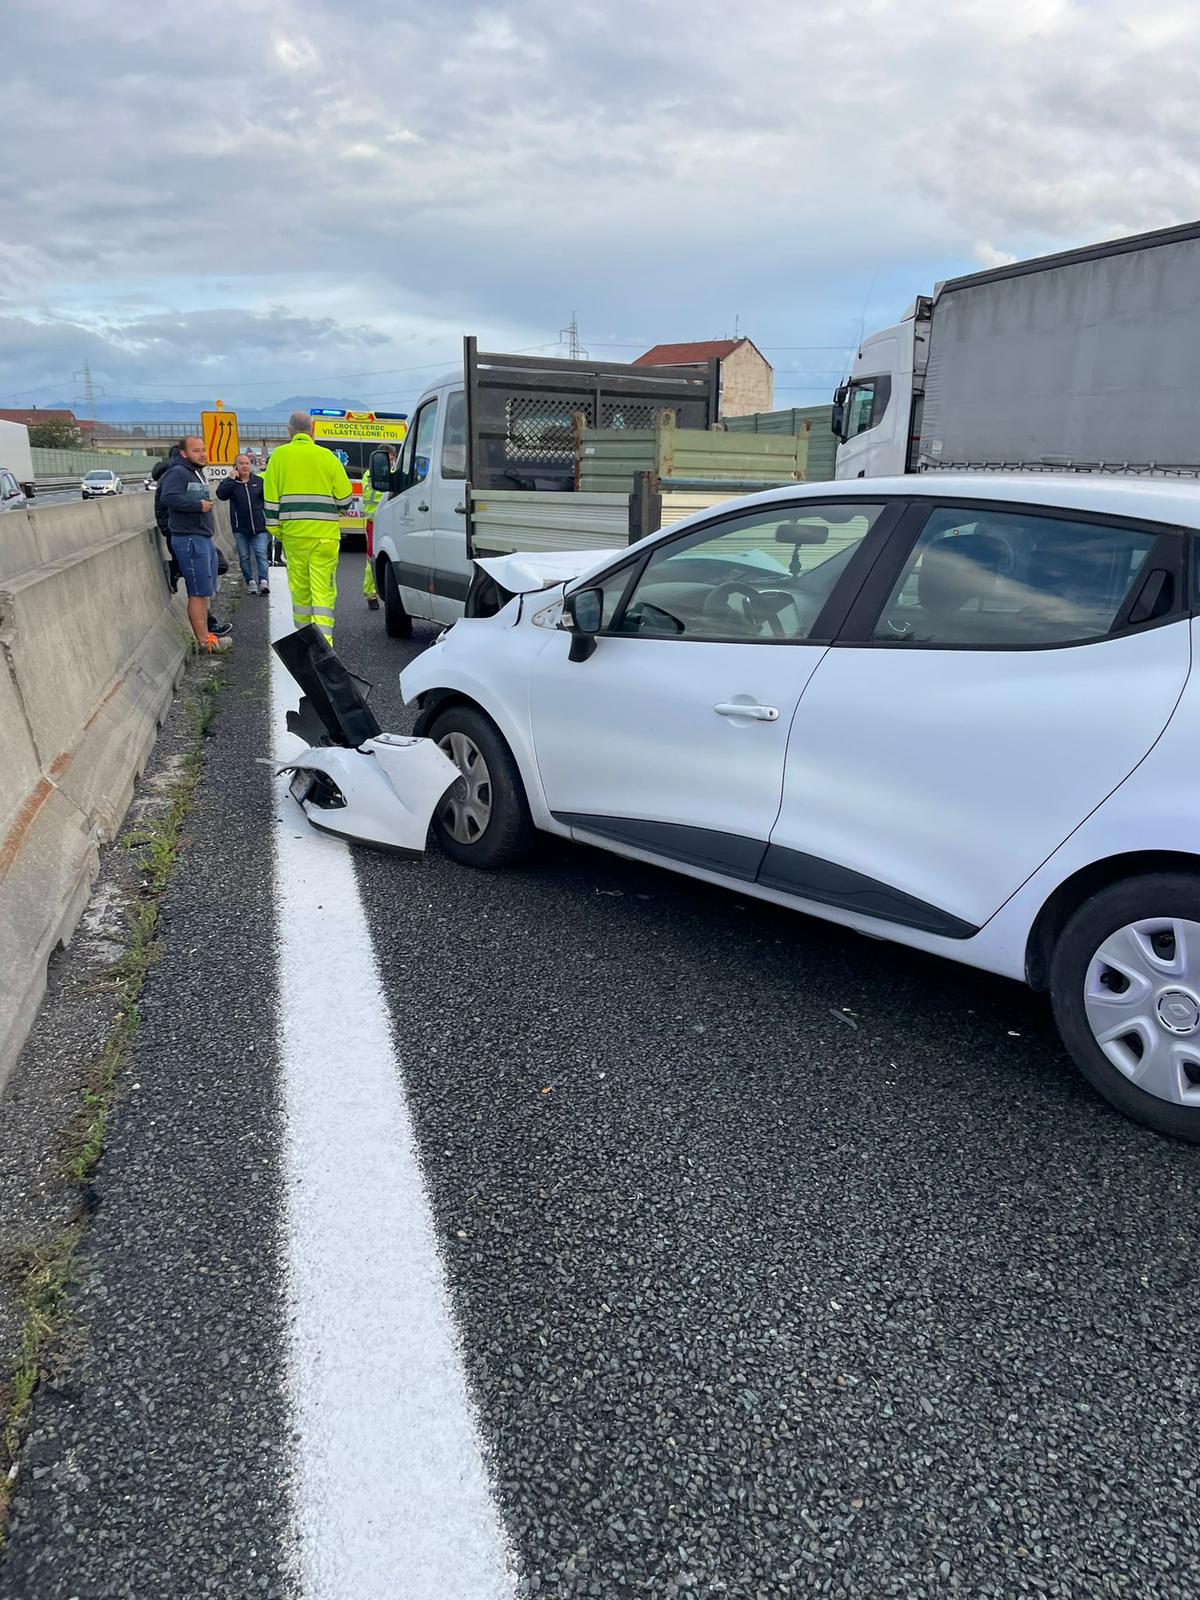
(91, 647)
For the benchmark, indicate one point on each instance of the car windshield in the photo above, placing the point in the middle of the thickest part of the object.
(98, 477)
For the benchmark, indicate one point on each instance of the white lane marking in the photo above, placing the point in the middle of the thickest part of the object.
(391, 1496)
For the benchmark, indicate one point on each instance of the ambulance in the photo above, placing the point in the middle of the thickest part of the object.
(352, 435)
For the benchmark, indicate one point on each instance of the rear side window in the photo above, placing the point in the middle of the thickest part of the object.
(996, 579)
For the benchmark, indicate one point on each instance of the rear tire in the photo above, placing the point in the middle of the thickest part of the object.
(1125, 987)
(483, 820)
(396, 620)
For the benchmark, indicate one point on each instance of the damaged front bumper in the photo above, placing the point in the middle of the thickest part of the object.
(354, 780)
(383, 793)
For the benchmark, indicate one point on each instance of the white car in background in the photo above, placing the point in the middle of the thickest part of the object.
(101, 481)
(955, 712)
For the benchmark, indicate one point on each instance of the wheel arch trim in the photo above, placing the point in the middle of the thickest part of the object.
(1087, 880)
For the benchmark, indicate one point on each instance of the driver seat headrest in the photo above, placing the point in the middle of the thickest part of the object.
(956, 568)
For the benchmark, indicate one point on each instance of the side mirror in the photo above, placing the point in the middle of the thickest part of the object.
(381, 472)
(837, 420)
(583, 614)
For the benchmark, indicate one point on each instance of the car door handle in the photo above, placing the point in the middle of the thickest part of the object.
(461, 510)
(421, 506)
(736, 708)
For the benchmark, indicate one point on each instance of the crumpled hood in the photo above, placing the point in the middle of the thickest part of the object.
(525, 571)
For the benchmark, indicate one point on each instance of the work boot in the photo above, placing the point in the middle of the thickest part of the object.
(373, 603)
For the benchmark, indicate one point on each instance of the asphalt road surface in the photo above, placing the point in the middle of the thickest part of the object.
(679, 1246)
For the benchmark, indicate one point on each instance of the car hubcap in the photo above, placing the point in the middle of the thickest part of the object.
(466, 809)
(1142, 998)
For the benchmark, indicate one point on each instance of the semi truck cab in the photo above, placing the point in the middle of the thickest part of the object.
(877, 411)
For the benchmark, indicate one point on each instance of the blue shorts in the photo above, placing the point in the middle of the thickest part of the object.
(197, 560)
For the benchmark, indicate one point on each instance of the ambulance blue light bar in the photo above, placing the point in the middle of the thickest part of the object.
(325, 411)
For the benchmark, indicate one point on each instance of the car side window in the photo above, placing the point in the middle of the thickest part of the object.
(762, 577)
(419, 445)
(984, 579)
(454, 437)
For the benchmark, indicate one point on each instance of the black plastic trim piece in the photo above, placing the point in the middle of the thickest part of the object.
(727, 853)
(811, 878)
(452, 585)
(411, 577)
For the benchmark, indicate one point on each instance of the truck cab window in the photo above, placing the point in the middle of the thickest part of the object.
(454, 437)
(419, 445)
(866, 403)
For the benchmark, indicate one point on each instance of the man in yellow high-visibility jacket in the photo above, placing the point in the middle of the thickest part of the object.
(306, 493)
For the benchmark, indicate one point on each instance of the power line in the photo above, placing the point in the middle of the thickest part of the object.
(645, 344)
(308, 377)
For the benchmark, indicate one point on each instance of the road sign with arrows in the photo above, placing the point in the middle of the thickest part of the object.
(220, 430)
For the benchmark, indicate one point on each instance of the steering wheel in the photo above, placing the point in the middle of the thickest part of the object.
(718, 606)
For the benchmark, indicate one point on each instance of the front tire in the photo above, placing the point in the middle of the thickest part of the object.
(1125, 987)
(396, 620)
(483, 820)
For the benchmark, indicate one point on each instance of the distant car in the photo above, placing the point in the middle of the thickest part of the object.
(957, 712)
(147, 482)
(102, 481)
(12, 496)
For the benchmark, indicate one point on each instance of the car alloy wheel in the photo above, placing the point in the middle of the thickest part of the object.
(1142, 1001)
(466, 809)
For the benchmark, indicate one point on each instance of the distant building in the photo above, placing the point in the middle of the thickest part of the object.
(35, 414)
(747, 377)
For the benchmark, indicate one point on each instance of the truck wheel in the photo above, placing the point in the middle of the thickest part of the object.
(482, 820)
(1125, 986)
(396, 620)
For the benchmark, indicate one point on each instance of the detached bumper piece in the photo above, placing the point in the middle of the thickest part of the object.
(371, 787)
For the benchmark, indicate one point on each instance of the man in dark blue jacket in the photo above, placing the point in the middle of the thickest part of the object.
(174, 576)
(185, 496)
(244, 491)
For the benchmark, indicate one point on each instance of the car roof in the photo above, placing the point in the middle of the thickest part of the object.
(1174, 500)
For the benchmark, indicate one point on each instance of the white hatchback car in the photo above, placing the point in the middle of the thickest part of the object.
(99, 482)
(951, 711)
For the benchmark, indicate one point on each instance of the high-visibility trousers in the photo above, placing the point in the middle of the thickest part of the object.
(312, 577)
(369, 581)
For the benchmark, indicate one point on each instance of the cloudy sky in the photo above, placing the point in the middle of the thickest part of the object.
(249, 199)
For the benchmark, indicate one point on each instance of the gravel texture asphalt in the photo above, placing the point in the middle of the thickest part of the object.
(785, 1263)
(158, 1464)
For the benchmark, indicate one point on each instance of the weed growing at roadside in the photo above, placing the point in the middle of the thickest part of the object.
(45, 1274)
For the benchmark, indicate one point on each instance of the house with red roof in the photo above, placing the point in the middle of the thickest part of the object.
(747, 377)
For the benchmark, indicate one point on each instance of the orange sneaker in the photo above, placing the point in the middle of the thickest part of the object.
(212, 645)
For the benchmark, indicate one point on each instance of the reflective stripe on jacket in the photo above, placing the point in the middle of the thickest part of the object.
(306, 492)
